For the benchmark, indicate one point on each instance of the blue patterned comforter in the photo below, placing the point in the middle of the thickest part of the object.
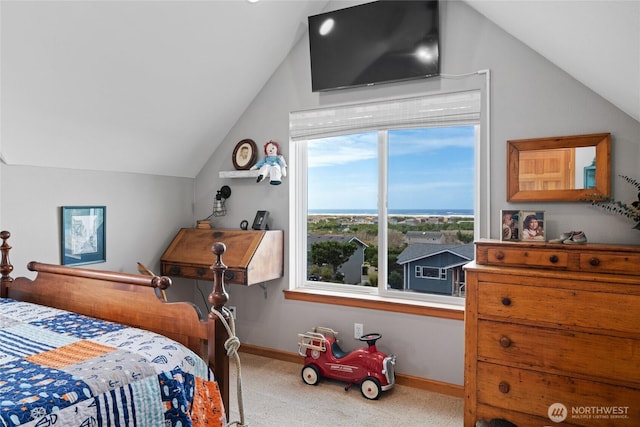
(63, 369)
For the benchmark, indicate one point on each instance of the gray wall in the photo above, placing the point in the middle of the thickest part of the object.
(530, 98)
(144, 212)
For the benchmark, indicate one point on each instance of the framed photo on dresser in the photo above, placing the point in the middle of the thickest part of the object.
(510, 228)
(531, 224)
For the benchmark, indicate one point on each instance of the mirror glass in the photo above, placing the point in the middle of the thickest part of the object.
(557, 169)
(568, 168)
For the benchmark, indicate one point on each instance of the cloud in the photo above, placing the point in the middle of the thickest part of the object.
(342, 150)
(428, 168)
(345, 149)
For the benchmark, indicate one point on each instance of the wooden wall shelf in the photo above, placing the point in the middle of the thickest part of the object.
(239, 174)
(252, 256)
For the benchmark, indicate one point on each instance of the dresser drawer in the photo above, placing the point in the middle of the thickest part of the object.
(231, 276)
(628, 263)
(562, 307)
(533, 392)
(548, 258)
(598, 357)
(488, 412)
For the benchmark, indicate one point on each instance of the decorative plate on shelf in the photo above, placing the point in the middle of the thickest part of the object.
(244, 155)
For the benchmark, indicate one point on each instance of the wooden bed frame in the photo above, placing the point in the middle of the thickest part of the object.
(128, 299)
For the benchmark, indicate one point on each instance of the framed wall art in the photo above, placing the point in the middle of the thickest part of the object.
(510, 228)
(244, 155)
(83, 235)
(531, 224)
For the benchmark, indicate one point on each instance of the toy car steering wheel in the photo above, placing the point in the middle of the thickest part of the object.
(370, 339)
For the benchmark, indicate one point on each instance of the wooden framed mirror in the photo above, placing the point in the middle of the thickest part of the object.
(559, 169)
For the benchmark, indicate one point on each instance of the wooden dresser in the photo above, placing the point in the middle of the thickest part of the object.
(252, 256)
(553, 326)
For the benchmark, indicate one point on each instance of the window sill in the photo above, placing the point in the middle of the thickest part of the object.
(374, 302)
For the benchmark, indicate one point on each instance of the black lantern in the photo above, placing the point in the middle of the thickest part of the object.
(218, 203)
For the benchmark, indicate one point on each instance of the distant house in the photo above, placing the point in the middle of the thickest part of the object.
(435, 268)
(352, 269)
(424, 237)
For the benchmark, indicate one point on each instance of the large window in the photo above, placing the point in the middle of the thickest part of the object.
(384, 196)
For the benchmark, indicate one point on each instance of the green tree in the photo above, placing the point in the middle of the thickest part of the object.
(371, 255)
(395, 280)
(373, 280)
(464, 237)
(332, 253)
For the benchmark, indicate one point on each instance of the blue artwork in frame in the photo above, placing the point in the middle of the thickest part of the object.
(83, 235)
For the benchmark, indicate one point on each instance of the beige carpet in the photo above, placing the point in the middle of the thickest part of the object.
(274, 395)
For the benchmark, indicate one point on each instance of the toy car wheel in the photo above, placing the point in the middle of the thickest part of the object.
(370, 388)
(310, 375)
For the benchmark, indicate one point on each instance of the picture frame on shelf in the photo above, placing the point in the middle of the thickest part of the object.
(532, 227)
(510, 228)
(244, 154)
(83, 234)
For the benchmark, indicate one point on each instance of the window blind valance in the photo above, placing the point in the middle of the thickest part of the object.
(451, 109)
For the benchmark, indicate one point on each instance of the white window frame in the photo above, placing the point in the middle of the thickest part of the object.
(342, 119)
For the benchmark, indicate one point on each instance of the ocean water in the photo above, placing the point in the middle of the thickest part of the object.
(394, 212)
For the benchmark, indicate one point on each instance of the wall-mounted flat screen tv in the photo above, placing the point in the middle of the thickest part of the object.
(376, 42)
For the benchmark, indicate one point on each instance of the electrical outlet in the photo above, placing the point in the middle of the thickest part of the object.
(358, 330)
(232, 309)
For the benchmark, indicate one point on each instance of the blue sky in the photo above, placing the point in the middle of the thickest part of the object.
(428, 169)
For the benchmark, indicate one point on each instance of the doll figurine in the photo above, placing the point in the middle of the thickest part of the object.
(273, 165)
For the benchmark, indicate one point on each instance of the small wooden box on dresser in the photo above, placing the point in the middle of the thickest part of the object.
(553, 326)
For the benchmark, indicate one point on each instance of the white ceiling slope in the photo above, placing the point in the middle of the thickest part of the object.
(595, 41)
(135, 86)
(154, 86)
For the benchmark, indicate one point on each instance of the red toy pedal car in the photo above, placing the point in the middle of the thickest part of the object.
(373, 370)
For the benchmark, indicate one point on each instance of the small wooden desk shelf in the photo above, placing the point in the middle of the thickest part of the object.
(252, 256)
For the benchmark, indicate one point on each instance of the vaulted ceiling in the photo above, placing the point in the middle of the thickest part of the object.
(123, 85)
(597, 42)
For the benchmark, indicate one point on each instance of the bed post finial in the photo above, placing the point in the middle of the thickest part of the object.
(5, 265)
(219, 297)
(217, 333)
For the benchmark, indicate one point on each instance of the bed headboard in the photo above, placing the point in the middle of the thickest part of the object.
(126, 298)
(118, 297)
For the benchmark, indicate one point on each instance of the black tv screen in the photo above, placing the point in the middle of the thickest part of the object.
(376, 42)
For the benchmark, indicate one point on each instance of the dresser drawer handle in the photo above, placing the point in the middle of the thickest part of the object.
(505, 342)
(174, 271)
(504, 387)
(506, 301)
(499, 256)
(594, 262)
(201, 272)
(553, 259)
